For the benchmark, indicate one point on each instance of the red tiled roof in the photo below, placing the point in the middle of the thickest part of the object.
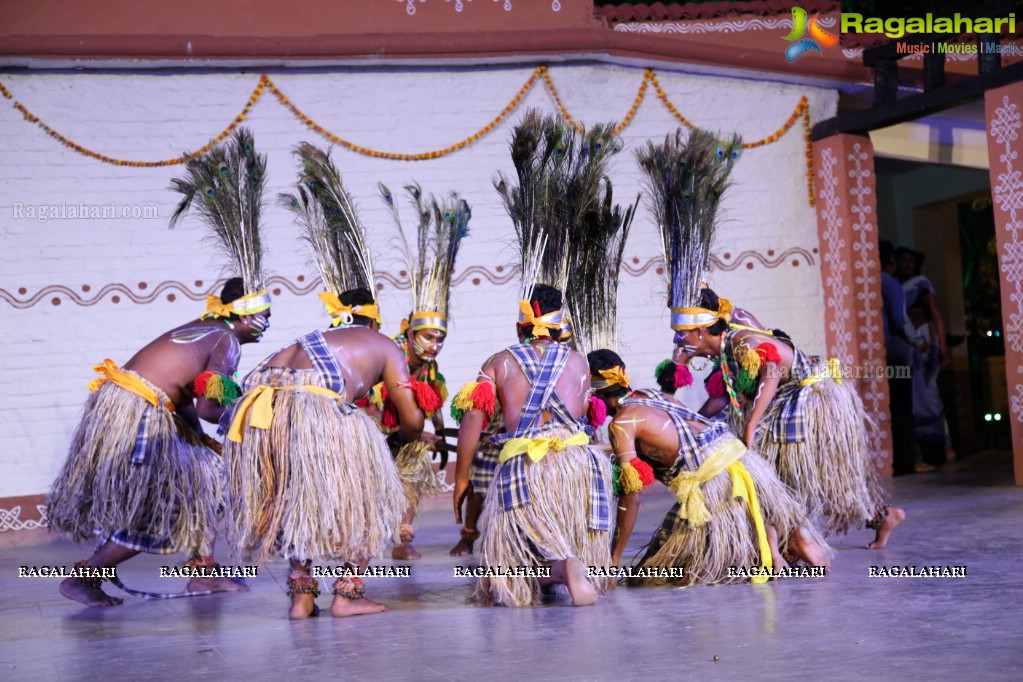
(658, 11)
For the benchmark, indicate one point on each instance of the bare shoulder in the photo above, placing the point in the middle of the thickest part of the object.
(577, 360)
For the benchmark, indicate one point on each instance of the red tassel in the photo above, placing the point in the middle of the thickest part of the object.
(362, 403)
(768, 352)
(199, 386)
(645, 471)
(683, 377)
(484, 399)
(389, 418)
(427, 397)
(715, 384)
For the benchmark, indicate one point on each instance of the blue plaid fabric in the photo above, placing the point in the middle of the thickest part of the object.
(315, 347)
(484, 460)
(139, 541)
(138, 455)
(484, 465)
(510, 479)
(324, 361)
(786, 418)
(691, 445)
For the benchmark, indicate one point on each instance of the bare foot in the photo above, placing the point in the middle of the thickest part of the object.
(894, 518)
(776, 558)
(215, 585)
(583, 592)
(342, 607)
(463, 548)
(404, 551)
(810, 552)
(303, 605)
(74, 588)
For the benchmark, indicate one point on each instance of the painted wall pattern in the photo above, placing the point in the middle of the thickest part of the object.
(1004, 145)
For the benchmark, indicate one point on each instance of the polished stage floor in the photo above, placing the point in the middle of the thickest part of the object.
(846, 626)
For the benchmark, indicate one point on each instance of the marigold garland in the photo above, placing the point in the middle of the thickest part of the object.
(802, 111)
(422, 156)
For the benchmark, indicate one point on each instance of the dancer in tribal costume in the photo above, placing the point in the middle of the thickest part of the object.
(798, 414)
(441, 227)
(547, 505)
(732, 511)
(140, 469)
(311, 476)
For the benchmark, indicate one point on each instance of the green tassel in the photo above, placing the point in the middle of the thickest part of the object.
(746, 384)
(616, 479)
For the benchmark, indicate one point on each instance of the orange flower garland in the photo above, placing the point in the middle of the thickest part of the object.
(32, 118)
(313, 125)
(802, 111)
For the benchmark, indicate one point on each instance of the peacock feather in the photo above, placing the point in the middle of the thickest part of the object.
(224, 187)
(441, 225)
(685, 180)
(329, 220)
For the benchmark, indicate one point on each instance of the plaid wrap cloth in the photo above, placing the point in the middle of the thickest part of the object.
(787, 416)
(510, 479)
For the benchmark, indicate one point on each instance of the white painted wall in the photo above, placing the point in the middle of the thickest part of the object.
(48, 350)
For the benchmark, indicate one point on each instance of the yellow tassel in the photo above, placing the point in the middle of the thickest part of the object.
(443, 388)
(463, 401)
(215, 389)
(629, 477)
(376, 396)
(750, 361)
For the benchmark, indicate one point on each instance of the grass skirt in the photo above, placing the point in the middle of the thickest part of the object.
(831, 470)
(730, 537)
(174, 497)
(317, 485)
(415, 469)
(554, 526)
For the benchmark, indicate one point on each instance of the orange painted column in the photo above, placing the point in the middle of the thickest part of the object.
(1002, 108)
(851, 276)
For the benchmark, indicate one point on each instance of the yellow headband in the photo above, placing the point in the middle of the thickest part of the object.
(614, 375)
(542, 324)
(343, 314)
(684, 319)
(250, 304)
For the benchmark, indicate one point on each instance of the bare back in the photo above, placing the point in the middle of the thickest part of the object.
(648, 431)
(176, 358)
(512, 386)
(364, 356)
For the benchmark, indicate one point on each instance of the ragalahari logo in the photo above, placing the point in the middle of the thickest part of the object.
(818, 36)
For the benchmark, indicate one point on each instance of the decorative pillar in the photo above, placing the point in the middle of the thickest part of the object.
(1005, 161)
(851, 275)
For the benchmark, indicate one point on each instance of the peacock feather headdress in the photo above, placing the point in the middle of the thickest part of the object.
(225, 187)
(596, 248)
(440, 228)
(329, 220)
(560, 174)
(686, 180)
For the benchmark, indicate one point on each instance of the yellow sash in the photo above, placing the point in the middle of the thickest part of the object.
(126, 380)
(834, 371)
(693, 504)
(260, 402)
(742, 486)
(537, 448)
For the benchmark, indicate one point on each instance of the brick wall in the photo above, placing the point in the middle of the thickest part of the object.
(49, 349)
